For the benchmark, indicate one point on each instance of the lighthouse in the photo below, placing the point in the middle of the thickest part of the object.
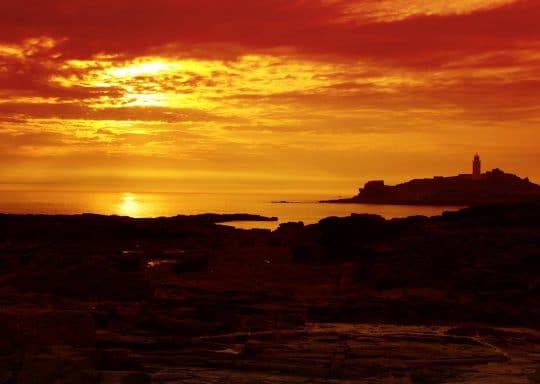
(476, 167)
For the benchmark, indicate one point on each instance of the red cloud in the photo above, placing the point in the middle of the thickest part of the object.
(233, 27)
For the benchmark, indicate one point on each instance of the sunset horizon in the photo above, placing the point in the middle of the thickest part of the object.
(269, 191)
(285, 95)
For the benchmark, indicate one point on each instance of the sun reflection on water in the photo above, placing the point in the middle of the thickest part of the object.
(129, 206)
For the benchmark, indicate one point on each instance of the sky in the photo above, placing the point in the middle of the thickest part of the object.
(242, 95)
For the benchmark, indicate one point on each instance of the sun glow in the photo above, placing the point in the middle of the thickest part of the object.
(152, 67)
(317, 97)
(129, 206)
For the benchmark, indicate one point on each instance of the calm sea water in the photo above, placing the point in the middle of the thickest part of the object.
(305, 207)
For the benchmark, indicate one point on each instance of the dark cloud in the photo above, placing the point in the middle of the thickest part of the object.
(314, 27)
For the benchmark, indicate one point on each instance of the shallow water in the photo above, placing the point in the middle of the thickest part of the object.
(305, 207)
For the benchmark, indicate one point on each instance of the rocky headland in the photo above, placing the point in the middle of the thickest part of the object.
(492, 187)
(96, 299)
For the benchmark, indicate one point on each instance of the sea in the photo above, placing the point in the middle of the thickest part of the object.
(287, 207)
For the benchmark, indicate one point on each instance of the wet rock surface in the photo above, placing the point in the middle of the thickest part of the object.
(95, 299)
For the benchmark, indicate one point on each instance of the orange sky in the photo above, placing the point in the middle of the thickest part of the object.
(265, 95)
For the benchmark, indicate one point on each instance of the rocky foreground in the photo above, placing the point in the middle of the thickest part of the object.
(96, 299)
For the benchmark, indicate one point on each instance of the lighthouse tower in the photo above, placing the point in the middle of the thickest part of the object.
(476, 167)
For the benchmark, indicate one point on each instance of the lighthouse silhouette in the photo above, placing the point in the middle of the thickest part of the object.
(476, 167)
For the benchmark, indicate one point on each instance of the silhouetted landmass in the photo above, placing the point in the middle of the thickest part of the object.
(493, 187)
(97, 299)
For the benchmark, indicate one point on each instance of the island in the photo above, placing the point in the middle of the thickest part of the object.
(492, 187)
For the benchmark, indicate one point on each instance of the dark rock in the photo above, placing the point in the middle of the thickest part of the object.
(137, 378)
(192, 264)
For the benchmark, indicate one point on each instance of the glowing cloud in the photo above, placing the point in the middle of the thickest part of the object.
(247, 92)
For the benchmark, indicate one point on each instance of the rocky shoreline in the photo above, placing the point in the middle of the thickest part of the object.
(97, 299)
